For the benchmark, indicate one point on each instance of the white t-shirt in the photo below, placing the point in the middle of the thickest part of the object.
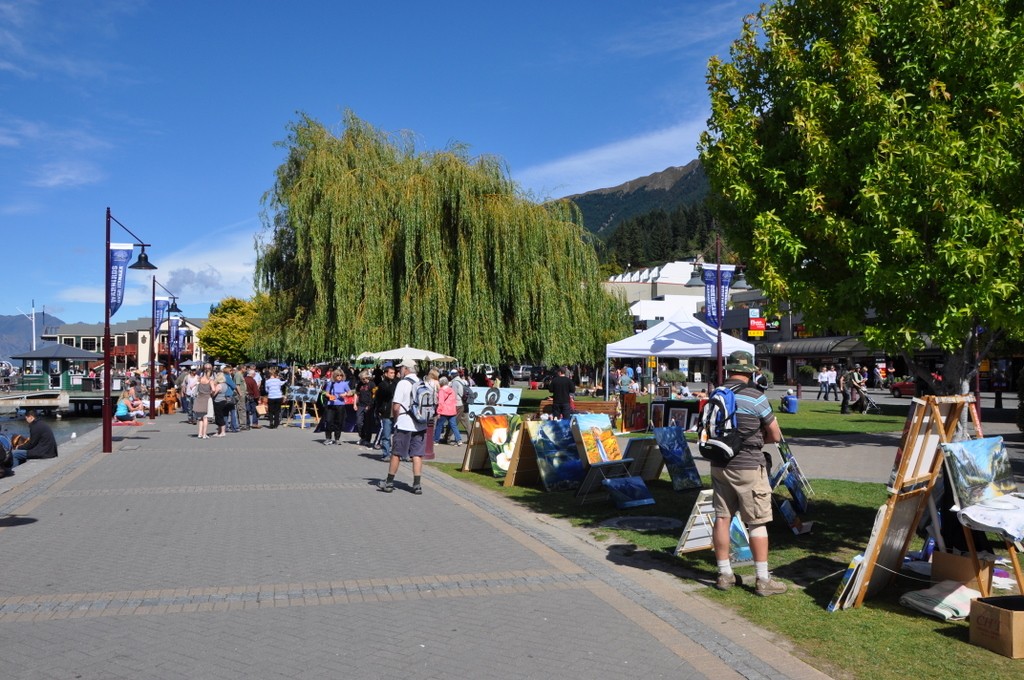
(403, 396)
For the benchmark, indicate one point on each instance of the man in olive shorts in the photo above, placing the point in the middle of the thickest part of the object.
(741, 485)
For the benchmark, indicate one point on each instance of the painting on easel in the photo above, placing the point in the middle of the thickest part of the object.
(593, 432)
(557, 457)
(500, 432)
(979, 469)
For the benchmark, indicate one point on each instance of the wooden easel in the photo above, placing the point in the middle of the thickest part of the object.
(476, 457)
(523, 469)
(918, 463)
(647, 460)
(699, 531)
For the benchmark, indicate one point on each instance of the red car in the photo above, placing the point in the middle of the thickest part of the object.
(904, 388)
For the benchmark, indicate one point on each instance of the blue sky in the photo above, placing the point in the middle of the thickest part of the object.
(168, 113)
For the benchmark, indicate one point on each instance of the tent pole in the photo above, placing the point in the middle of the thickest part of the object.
(606, 374)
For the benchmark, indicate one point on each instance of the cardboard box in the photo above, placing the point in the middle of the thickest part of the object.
(997, 623)
(959, 568)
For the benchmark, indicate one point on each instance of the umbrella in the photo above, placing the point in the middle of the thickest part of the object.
(190, 363)
(414, 354)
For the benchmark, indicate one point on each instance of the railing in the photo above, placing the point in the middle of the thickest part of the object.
(40, 382)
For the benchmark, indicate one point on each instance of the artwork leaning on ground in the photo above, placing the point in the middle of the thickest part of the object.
(594, 434)
(557, 457)
(500, 433)
(678, 460)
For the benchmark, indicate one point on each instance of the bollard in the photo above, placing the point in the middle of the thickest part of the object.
(999, 398)
(799, 390)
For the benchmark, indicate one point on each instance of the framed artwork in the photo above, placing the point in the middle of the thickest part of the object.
(657, 415)
(678, 417)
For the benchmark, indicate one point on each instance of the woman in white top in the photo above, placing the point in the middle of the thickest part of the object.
(275, 395)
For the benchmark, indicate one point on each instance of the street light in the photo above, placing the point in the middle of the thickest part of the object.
(172, 309)
(112, 279)
(698, 279)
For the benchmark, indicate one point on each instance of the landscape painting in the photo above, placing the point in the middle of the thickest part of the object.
(557, 457)
(678, 460)
(979, 469)
(593, 432)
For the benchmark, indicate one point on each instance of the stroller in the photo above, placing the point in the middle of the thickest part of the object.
(866, 404)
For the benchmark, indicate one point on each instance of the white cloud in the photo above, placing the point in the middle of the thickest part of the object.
(66, 173)
(682, 31)
(220, 264)
(615, 163)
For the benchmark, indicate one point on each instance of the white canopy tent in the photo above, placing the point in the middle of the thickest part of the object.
(409, 353)
(680, 338)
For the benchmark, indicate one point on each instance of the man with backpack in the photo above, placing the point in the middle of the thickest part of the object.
(739, 479)
(410, 409)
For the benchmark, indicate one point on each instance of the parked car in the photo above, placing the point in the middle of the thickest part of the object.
(522, 371)
(486, 369)
(904, 388)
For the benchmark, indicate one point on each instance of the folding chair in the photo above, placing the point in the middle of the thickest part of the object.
(984, 491)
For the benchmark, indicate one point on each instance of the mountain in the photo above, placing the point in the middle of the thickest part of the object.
(16, 333)
(605, 209)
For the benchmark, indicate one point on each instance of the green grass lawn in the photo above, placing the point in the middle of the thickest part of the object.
(882, 639)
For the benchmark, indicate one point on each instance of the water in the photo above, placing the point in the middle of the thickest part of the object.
(62, 428)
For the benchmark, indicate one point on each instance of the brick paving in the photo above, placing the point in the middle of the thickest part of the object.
(267, 555)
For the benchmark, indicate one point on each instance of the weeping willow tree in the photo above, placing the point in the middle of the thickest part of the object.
(371, 245)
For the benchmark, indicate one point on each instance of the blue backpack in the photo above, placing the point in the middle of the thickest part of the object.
(718, 436)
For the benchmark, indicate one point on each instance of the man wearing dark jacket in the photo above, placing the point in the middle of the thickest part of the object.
(41, 443)
(382, 405)
(562, 389)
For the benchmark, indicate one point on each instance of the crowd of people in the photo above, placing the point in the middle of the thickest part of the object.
(236, 398)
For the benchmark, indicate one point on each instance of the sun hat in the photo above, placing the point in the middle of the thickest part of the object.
(740, 362)
(407, 363)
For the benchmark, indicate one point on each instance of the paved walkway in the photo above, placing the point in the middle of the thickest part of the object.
(265, 554)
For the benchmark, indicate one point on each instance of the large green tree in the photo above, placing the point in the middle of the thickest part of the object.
(227, 333)
(868, 156)
(371, 245)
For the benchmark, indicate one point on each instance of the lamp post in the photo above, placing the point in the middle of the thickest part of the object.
(699, 278)
(155, 327)
(113, 279)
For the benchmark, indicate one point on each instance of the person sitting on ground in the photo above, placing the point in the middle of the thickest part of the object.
(788, 402)
(124, 412)
(41, 442)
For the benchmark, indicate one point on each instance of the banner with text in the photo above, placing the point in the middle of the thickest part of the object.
(711, 305)
(120, 254)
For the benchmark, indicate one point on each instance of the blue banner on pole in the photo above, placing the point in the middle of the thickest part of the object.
(158, 319)
(711, 305)
(120, 254)
(173, 341)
